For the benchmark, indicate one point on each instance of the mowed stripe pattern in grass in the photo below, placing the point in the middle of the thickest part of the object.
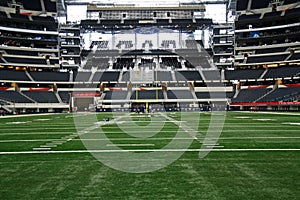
(220, 175)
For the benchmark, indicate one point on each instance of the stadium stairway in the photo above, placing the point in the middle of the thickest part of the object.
(202, 75)
(173, 76)
(298, 74)
(92, 76)
(236, 94)
(265, 95)
(165, 94)
(120, 76)
(6, 108)
(129, 94)
(58, 97)
(263, 74)
(27, 97)
(29, 76)
(193, 94)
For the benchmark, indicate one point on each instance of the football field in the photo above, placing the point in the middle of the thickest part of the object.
(233, 155)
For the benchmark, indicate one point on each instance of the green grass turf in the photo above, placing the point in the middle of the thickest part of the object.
(220, 175)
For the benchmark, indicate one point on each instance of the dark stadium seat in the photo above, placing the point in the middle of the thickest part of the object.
(202, 21)
(199, 60)
(282, 72)
(171, 62)
(257, 4)
(250, 95)
(110, 22)
(147, 94)
(123, 63)
(295, 56)
(272, 15)
(213, 95)
(13, 96)
(115, 95)
(243, 74)
(34, 61)
(131, 21)
(81, 76)
(3, 15)
(126, 76)
(162, 76)
(42, 96)
(241, 4)
(182, 21)
(246, 18)
(271, 50)
(286, 2)
(179, 94)
(50, 6)
(188, 75)
(282, 94)
(292, 12)
(19, 17)
(162, 21)
(265, 59)
(43, 19)
(51, 76)
(212, 75)
(65, 96)
(3, 3)
(54, 61)
(13, 75)
(106, 76)
(21, 52)
(88, 22)
(31, 5)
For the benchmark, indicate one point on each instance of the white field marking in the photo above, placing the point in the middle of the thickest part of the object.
(41, 119)
(291, 123)
(15, 123)
(174, 131)
(42, 151)
(173, 121)
(130, 145)
(214, 146)
(243, 117)
(264, 119)
(29, 115)
(60, 141)
(44, 128)
(48, 146)
(36, 133)
(9, 141)
(184, 127)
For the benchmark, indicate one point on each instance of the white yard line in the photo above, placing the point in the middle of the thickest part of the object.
(28, 115)
(130, 145)
(143, 139)
(142, 150)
